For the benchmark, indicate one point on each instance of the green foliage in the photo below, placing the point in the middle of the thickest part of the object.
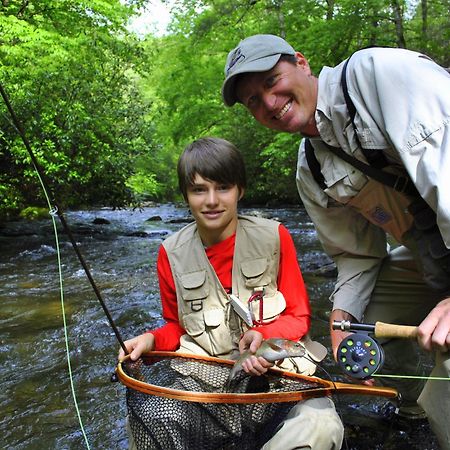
(75, 92)
(108, 114)
(34, 213)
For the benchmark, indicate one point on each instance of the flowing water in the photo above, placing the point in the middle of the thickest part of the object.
(37, 408)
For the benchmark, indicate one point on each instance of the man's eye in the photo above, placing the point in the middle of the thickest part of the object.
(271, 80)
(252, 102)
(224, 187)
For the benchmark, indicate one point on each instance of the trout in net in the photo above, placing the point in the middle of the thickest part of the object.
(271, 350)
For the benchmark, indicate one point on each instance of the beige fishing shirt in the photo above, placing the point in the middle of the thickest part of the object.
(403, 108)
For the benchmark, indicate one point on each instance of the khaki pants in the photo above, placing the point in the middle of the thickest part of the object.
(400, 296)
(311, 425)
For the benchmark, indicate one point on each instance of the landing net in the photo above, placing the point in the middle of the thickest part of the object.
(178, 401)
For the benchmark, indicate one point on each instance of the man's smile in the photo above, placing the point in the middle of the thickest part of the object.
(284, 110)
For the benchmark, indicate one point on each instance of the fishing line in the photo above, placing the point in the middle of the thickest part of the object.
(56, 211)
(414, 377)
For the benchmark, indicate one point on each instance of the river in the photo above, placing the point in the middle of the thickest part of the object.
(120, 248)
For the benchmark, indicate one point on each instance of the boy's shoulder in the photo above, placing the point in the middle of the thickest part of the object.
(257, 221)
(180, 236)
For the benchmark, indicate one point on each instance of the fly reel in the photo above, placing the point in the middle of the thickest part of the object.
(359, 356)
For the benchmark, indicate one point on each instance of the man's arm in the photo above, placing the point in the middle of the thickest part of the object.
(356, 246)
(434, 331)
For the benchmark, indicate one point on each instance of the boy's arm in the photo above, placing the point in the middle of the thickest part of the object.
(167, 337)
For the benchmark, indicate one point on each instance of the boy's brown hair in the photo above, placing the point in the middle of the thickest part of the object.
(215, 160)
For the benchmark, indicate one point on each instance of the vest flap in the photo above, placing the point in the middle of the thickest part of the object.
(213, 317)
(193, 285)
(194, 324)
(254, 268)
(193, 280)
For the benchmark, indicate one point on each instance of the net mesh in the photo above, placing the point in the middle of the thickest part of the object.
(160, 422)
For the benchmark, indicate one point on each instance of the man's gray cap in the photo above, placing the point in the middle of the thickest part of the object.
(257, 53)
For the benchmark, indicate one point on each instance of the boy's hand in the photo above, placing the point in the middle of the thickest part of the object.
(138, 345)
(254, 365)
(251, 340)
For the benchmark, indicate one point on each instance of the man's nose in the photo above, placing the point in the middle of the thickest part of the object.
(269, 100)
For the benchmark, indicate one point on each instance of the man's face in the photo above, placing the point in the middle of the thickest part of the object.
(283, 98)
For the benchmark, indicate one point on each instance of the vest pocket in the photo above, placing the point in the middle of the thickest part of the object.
(273, 306)
(194, 286)
(209, 330)
(255, 272)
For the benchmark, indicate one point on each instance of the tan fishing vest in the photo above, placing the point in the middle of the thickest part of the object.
(204, 307)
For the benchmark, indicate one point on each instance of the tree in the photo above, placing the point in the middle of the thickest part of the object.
(71, 73)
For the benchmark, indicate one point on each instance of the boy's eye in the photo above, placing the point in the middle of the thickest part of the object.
(223, 187)
(197, 189)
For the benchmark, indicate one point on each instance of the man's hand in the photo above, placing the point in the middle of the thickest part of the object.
(337, 336)
(254, 365)
(434, 332)
(138, 345)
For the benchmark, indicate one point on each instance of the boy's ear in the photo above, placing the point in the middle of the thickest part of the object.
(241, 193)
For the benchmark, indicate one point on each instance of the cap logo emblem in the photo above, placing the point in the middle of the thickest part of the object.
(235, 58)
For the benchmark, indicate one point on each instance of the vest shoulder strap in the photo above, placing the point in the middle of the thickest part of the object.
(375, 158)
(397, 182)
(314, 165)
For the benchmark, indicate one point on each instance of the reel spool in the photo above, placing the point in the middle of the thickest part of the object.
(359, 356)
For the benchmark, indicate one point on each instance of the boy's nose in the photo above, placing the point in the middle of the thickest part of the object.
(212, 197)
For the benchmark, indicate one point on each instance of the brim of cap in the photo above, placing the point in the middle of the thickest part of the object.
(258, 65)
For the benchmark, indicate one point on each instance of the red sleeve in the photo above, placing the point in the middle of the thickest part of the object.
(295, 320)
(168, 336)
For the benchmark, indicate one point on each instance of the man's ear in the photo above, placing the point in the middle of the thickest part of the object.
(302, 62)
(241, 193)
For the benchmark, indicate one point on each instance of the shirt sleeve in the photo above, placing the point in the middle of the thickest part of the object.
(356, 246)
(295, 320)
(414, 115)
(167, 337)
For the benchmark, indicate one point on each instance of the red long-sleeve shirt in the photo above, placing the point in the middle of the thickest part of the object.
(293, 322)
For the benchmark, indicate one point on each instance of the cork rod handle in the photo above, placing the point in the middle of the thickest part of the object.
(387, 330)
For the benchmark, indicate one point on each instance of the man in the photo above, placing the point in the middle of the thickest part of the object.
(399, 125)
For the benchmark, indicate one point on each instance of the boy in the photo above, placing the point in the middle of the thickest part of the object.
(222, 253)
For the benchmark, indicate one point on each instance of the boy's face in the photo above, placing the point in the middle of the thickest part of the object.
(214, 207)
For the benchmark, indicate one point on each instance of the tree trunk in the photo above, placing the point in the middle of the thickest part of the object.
(398, 20)
(424, 23)
(330, 9)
